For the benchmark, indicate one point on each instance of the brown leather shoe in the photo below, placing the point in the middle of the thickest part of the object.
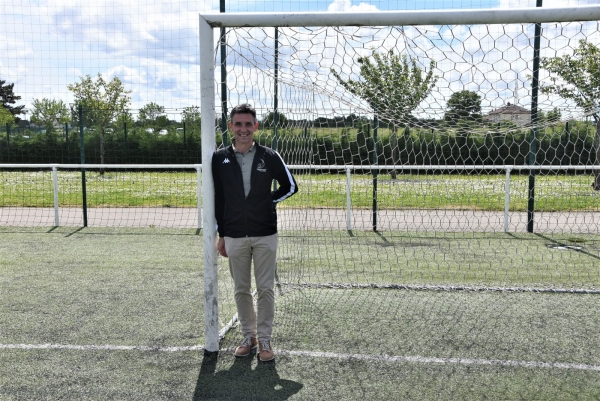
(247, 345)
(265, 353)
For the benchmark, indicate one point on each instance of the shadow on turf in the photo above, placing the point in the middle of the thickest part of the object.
(241, 382)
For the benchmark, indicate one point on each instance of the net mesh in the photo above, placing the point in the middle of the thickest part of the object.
(410, 145)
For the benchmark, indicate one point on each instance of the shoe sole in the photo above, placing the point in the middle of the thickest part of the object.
(266, 360)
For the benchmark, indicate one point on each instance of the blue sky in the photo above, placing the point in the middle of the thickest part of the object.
(151, 45)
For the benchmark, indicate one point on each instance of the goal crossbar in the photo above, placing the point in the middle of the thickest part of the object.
(409, 17)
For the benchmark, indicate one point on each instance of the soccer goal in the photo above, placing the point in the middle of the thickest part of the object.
(447, 165)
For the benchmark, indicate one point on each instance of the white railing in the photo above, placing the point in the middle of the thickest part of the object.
(346, 168)
(55, 167)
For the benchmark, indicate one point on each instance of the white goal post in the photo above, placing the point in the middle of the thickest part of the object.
(208, 44)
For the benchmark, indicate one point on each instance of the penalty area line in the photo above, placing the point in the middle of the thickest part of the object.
(318, 354)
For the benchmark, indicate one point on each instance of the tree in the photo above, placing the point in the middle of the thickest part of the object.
(464, 105)
(124, 119)
(124, 123)
(577, 77)
(393, 86)
(5, 117)
(268, 121)
(8, 98)
(150, 113)
(191, 115)
(48, 113)
(101, 101)
(551, 117)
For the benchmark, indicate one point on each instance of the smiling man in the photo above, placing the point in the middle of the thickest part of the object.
(245, 210)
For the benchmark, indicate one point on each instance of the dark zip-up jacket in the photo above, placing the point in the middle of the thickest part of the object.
(253, 216)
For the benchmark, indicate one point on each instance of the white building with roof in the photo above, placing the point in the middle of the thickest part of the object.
(520, 116)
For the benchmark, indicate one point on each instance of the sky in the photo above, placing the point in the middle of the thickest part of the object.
(151, 45)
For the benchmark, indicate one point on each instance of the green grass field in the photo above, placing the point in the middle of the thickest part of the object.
(440, 259)
(425, 191)
(114, 314)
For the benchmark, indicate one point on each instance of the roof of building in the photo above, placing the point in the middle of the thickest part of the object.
(510, 109)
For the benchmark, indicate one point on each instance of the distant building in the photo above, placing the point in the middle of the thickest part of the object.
(511, 112)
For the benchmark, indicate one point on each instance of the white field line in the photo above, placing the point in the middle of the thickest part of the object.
(100, 347)
(317, 354)
(451, 361)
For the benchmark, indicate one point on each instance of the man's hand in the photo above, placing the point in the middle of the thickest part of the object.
(221, 247)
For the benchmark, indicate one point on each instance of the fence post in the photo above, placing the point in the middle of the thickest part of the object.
(348, 201)
(531, 159)
(55, 186)
(375, 171)
(507, 200)
(82, 161)
(199, 194)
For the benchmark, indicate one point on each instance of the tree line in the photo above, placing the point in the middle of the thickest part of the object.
(350, 143)
(393, 86)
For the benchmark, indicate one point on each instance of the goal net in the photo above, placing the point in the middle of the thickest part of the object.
(446, 169)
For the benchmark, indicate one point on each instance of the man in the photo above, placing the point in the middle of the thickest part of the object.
(243, 174)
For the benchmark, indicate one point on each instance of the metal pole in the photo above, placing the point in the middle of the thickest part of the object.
(275, 90)
(199, 194)
(348, 200)
(126, 145)
(276, 97)
(223, 41)
(82, 161)
(55, 187)
(534, 120)
(507, 200)
(375, 171)
(209, 232)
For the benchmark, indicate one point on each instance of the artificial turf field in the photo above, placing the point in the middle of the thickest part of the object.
(114, 314)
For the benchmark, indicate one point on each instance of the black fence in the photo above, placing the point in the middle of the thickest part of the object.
(572, 143)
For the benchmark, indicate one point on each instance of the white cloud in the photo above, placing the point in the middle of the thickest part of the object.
(128, 75)
(346, 6)
(152, 45)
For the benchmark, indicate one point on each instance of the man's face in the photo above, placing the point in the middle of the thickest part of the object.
(243, 127)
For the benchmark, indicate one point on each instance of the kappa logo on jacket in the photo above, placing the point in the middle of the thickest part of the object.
(261, 166)
(226, 161)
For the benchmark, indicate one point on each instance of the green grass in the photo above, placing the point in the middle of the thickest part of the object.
(117, 189)
(100, 286)
(178, 189)
(144, 287)
(450, 259)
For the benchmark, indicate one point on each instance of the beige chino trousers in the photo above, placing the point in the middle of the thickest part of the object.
(263, 252)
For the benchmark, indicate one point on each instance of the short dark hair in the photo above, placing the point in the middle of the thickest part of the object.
(244, 108)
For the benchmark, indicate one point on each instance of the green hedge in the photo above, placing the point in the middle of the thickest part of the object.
(562, 144)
